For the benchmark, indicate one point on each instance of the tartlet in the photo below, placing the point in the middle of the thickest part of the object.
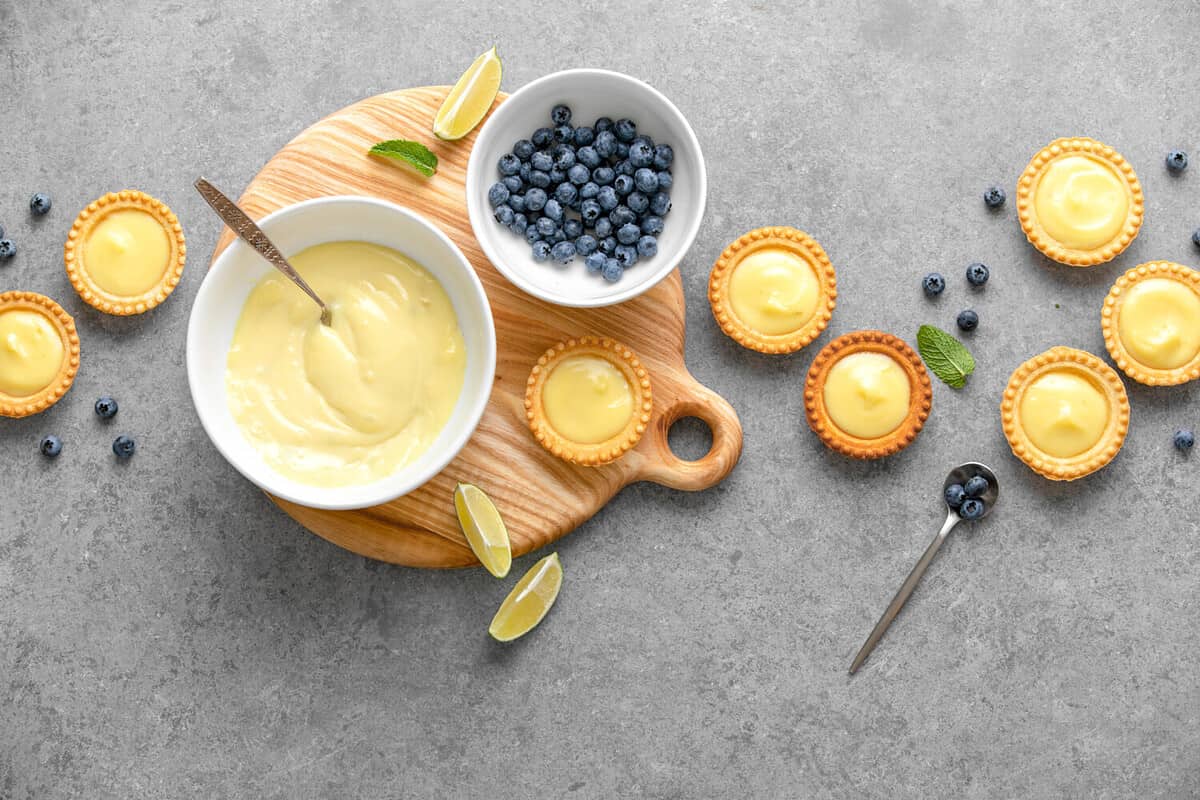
(1151, 323)
(125, 253)
(1080, 202)
(875, 414)
(1065, 413)
(773, 290)
(560, 421)
(39, 353)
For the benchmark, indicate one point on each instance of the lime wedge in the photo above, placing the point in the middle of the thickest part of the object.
(470, 98)
(484, 529)
(529, 600)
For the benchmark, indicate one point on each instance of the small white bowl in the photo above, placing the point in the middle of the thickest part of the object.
(591, 93)
(239, 269)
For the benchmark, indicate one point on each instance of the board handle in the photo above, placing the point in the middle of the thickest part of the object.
(660, 465)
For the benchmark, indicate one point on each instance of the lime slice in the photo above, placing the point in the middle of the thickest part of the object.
(470, 98)
(529, 600)
(484, 529)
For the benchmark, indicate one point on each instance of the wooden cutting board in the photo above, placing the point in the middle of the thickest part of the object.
(540, 496)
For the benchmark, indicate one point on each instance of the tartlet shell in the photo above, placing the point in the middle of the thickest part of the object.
(12, 406)
(591, 455)
(796, 241)
(1110, 319)
(87, 220)
(1104, 376)
(920, 394)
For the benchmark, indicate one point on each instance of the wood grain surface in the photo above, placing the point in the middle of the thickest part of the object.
(541, 497)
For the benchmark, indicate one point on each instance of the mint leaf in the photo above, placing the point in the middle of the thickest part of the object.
(413, 153)
(945, 356)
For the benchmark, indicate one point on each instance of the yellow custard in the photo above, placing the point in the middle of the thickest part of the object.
(587, 399)
(867, 394)
(1081, 202)
(1063, 413)
(353, 402)
(1159, 323)
(127, 253)
(31, 352)
(774, 291)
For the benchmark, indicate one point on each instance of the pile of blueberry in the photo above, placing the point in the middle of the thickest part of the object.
(599, 192)
(967, 498)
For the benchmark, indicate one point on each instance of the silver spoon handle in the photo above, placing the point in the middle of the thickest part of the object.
(253, 235)
(906, 590)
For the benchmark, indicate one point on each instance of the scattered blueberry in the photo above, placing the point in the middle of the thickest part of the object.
(971, 509)
(563, 252)
(934, 284)
(509, 164)
(1177, 161)
(955, 494)
(123, 446)
(976, 486)
(498, 194)
(967, 320)
(541, 251)
(994, 197)
(8, 249)
(1184, 440)
(40, 204)
(977, 274)
(612, 270)
(560, 114)
(51, 446)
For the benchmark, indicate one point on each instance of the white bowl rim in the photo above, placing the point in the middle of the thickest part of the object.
(396, 485)
(636, 288)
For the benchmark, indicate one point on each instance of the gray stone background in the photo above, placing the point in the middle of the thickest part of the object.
(166, 632)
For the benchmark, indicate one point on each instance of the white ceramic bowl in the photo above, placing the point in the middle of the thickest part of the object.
(591, 93)
(239, 269)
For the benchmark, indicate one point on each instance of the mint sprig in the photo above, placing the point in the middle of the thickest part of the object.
(414, 154)
(945, 356)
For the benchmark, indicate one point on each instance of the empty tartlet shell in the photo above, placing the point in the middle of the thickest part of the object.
(920, 401)
(623, 359)
(790, 239)
(85, 223)
(12, 406)
(1027, 212)
(1110, 316)
(1102, 376)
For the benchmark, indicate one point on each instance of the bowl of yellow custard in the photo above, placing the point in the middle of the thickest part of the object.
(366, 409)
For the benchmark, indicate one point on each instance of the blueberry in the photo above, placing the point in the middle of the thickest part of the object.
(624, 167)
(628, 233)
(572, 228)
(1177, 161)
(523, 149)
(8, 249)
(971, 509)
(660, 204)
(516, 202)
(588, 156)
(625, 129)
(663, 156)
(604, 227)
(564, 156)
(525, 172)
(1195, 237)
(646, 180)
(509, 164)
(608, 245)
(51, 446)
(535, 199)
(955, 494)
(531, 233)
(967, 320)
(647, 246)
(553, 210)
(584, 137)
(565, 193)
(542, 137)
(607, 198)
(977, 486)
(498, 194)
(994, 197)
(934, 284)
(123, 446)
(563, 252)
(541, 251)
(558, 236)
(626, 256)
(665, 180)
(1184, 440)
(40, 203)
(605, 144)
(638, 203)
(560, 114)
(504, 215)
(578, 174)
(519, 224)
(624, 184)
(603, 175)
(594, 261)
(612, 270)
(589, 190)
(586, 244)
(564, 134)
(977, 274)
(106, 407)
(539, 179)
(641, 154)
(546, 226)
(621, 215)
(590, 211)
(513, 184)
(557, 176)
(542, 160)
(652, 225)
(603, 124)
(622, 150)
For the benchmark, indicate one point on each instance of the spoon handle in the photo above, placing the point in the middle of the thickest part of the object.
(253, 235)
(906, 590)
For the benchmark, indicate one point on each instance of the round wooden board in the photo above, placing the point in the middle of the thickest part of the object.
(540, 496)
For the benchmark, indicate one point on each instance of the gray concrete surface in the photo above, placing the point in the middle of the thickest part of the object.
(166, 632)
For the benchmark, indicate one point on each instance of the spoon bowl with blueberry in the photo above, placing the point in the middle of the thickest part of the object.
(970, 492)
